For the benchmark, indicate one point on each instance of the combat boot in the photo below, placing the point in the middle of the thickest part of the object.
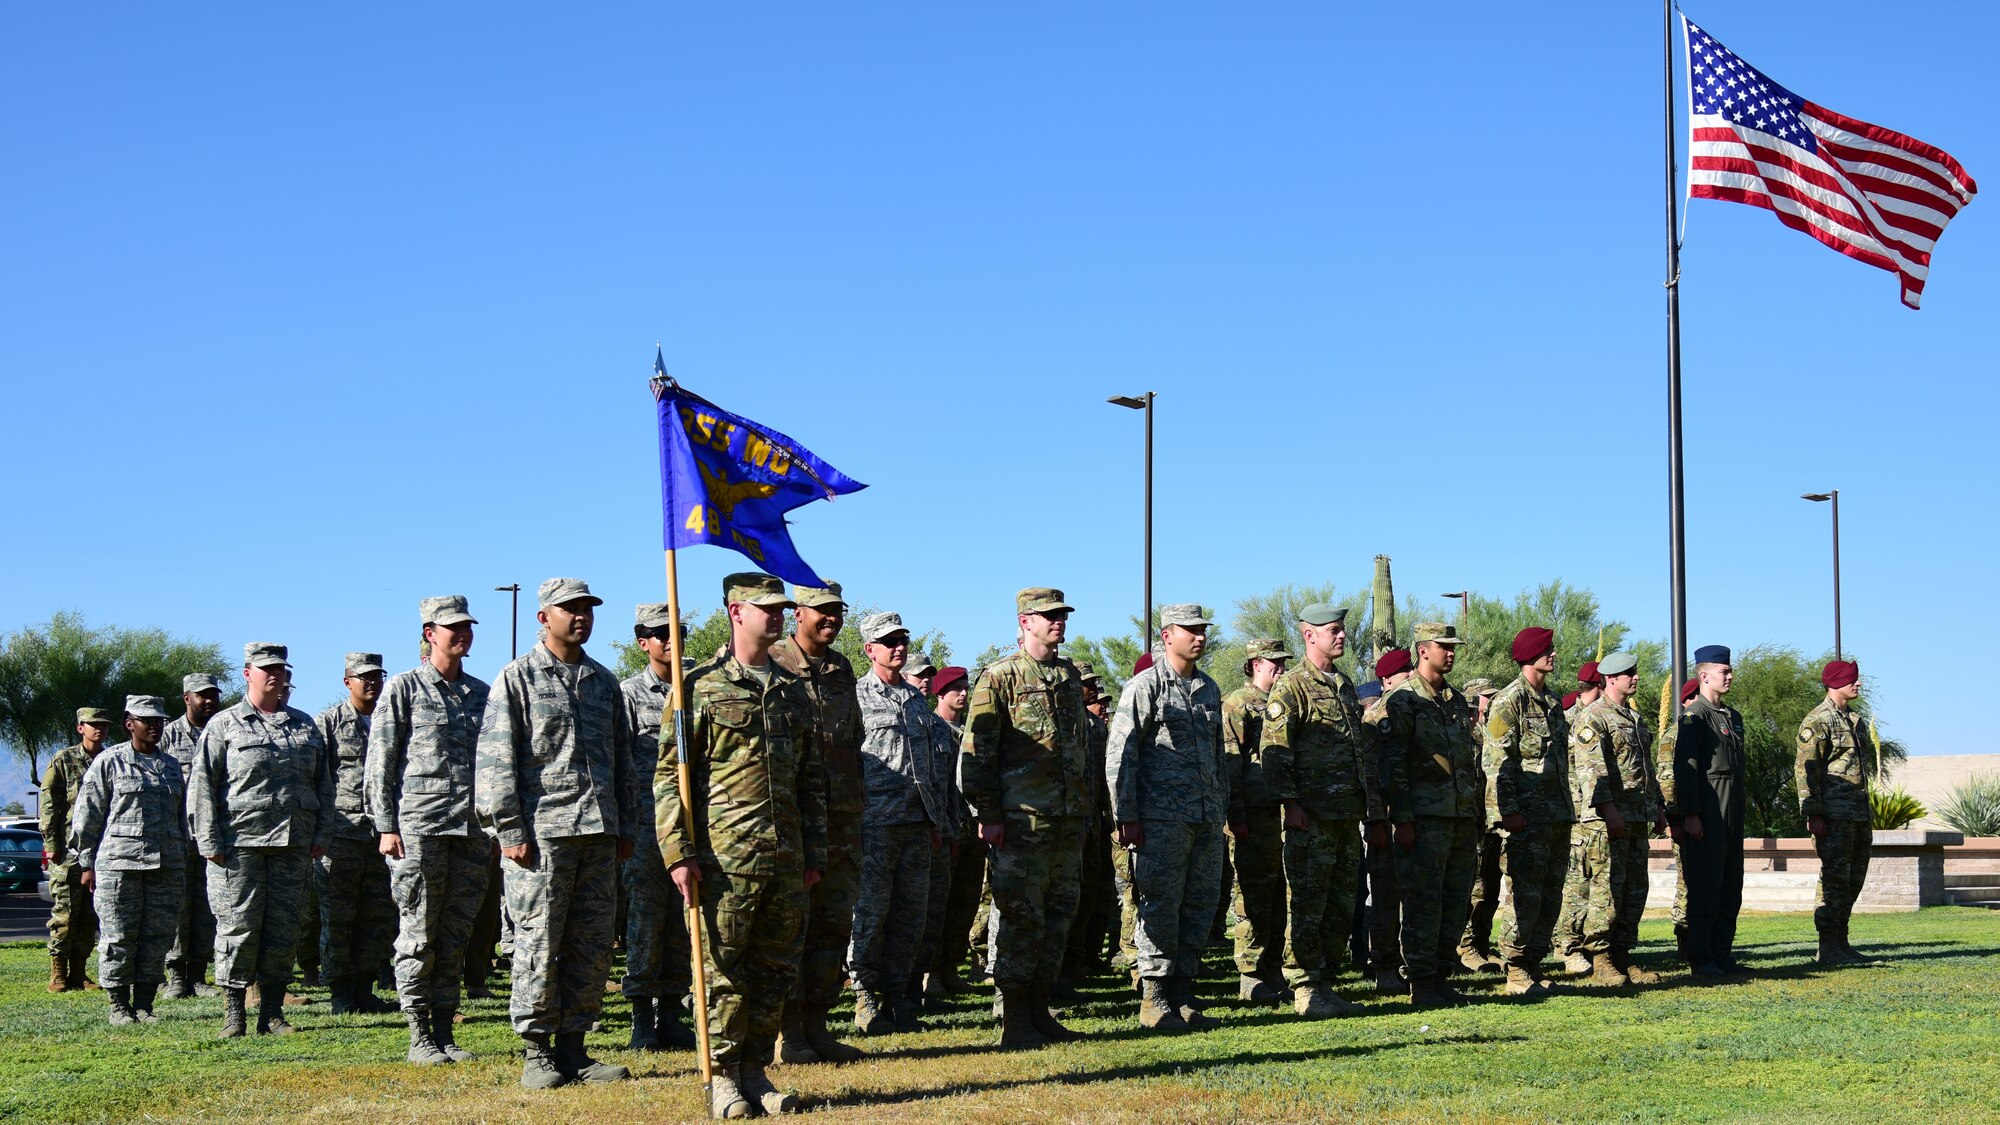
(1180, 993)
(758, 1090)
(369, 1004)
(77, 977)
(142, 1002)
(442, 1022)
(1520, 982)
(424, 1050)
(1854, 956)
(1044, 1020)
(869, 1016)
(1622, 959)
(793, 1047)
(575, 1062)
(1017, 1028)
(309, 976)
(1262, 989)
(58, 974)
(1156, 1010)
(812, 1020)
(1604, 974)
(1389, 982)
(1577, 963)
(725, 1101)
(946, 983)
(232, 1013)
(179, 987)
(539, 1070)
(1318, 1002)
(121, 1005)
(271, 1009)
(670, 1026)
(1830, 954)
(1430, 992)
(903, 1013)
(644, 1038)
(340, 997)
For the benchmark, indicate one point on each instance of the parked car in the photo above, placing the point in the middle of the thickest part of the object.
(21, 860)
(32, 824)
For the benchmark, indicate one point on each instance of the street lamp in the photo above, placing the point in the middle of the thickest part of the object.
(1821, 498)
(1146, 404)
(1464, 603)
(513, 620)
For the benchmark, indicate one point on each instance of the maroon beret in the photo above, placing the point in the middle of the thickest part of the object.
(1588, 674)
(1392, 662)
(946, 677)
(1143, 663)
(1690, 689)
(1840, 673)
(1569, 700)
(1533, 643)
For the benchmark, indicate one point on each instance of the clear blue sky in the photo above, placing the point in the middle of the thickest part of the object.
(314, 311)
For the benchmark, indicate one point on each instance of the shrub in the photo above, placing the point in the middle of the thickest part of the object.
(1894, 808)
(1973, 806)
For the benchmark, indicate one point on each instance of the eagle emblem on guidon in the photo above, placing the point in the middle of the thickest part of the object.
(724, 496)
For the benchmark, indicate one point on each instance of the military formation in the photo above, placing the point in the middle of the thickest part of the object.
(872, 830)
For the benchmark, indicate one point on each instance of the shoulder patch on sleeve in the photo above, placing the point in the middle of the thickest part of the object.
(1275, 709)
(1808, 733)
(1586, 733)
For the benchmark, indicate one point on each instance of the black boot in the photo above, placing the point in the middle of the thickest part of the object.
(142, 1001)
(271, 1008)
(578, 1066)
(361, 994)
(340, 996)
(644, 1037)
(670, 1027)
(232, 1013)
(120, 996)
(179, 986)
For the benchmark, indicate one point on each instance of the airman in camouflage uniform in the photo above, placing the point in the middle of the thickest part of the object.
(968, 871)
(1025, 772)
(1617, 800)
(194, 934)
(357, 914)
(1314, 763)
(658, 967)
(1835, 752)
(808, 654)
(423, 745)
(72, 917)
(1703, 791)
(1475, 948)
(1170, 799)
(260, 794)
(1256, 827)
(1385, 901)
(1576, 890)
(758, 842)
(557, 787)
(129, 847)
(1527, 756)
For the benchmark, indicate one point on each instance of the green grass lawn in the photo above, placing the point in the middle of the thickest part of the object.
(1917, 1039)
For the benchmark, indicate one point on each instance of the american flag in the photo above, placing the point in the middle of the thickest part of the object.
(1871, 193)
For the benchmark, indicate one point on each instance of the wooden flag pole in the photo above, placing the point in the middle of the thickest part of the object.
(685, 780)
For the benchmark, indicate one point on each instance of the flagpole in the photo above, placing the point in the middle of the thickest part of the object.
(685, 781)
(1676, 494)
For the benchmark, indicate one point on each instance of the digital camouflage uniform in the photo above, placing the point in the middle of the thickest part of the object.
(1702, 775)
(423, 746)
(1611, 762)
(1385, 902)
(944, 860)
(1164, 770)
(1100, 901)
(904, 808)
(556, 772)
(357, 914)
(753, 751)
(129, 830)
(72, 917)
(1431, 779)
(1835, 751)
(1313, 756)
(829, 685)
(658, 962)
(1257, 856)
(1527, 755)
(194, 932)
(968, 873)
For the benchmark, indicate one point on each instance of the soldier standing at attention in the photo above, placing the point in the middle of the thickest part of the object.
(1834, 755)
(1384, 913)
(1475, 949)
(1527, 757)
(1590, 685)
(1256, 828)
(658, 969)
(968, 868)
(1617, 800)
(1706, 805)
(1569, 923)
(357, 913)
(72, 918)
(1170, 799)
(951, 806)
(1315, 764)
(130, 849)
(261, 792)
(1025, 772)
(828, 678)
(194, 934)
(759, 838)
(1097, 888)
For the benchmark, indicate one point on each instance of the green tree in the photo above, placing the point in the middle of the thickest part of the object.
(13, 808)
(48, 671)
(703, 641)
(1774, 688)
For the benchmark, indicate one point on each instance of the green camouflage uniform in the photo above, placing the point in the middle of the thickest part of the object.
(1385, 901)
(1832, 771)
(1478, 937)
(753, 750)
(658, 962)
(1258, 856)
(1527, 755)
(72, 917)
(1431, 779)
(1098, 890)
(836, 722)
(357, 913)
(129, 830)
(1313, 756)
(1611, 763)
(1025, 767)
(194, 934)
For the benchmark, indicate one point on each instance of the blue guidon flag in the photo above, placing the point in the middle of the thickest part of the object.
(729, 481)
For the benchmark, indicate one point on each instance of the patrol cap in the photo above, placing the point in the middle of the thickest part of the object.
(145, 707)
(918, 664)
(562, 591)
(199, 682)
(1370, 690)
(818, 597)
(652, 615)
(1085, 672)
(876, 626)
(1436, 633)
(94, 715)
(362, 663)
(1264, 648)
(1185, 614)
(1712, 654)
(1475, 688)
(752, 587)
(265, 654)
(948, 677)
(1322, 613)
(447, 609)
(1617, 664)
(1041, 599)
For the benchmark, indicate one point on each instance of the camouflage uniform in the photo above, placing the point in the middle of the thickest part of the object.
(357, 914)
(1099, 904)
(1612, 763)
(556, 772)
(1258, 856)
(968, 871)
(1313, 757)
(1832, 772)
(1701, 774)
(128, 829)
(753, 750)
(1431, 778)
(194, 933)
(1478, 938)
(72, 917)
(904, 808)
(951, 805)
(1527, 755)
(1568, 935)
(658, 962)
(836, 722)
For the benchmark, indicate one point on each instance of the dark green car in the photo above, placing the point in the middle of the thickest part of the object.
(20, 859)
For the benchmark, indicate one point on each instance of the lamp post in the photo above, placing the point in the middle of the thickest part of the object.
(1146, 404)
(513, 620)
(1834, 498)
(1464, 603)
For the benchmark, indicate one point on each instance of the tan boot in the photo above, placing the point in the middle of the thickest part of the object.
(1622, 959)
(1156, 1010)
(1017, 1027)
(1577, 962)
(792, 1047)
(1318, 1002)
(1044, 1020)
(725, 1100)
(758, 1090)
(58, 974)
(1520, 982)
(1604, 974)
(77, 977)
(812, 1022)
